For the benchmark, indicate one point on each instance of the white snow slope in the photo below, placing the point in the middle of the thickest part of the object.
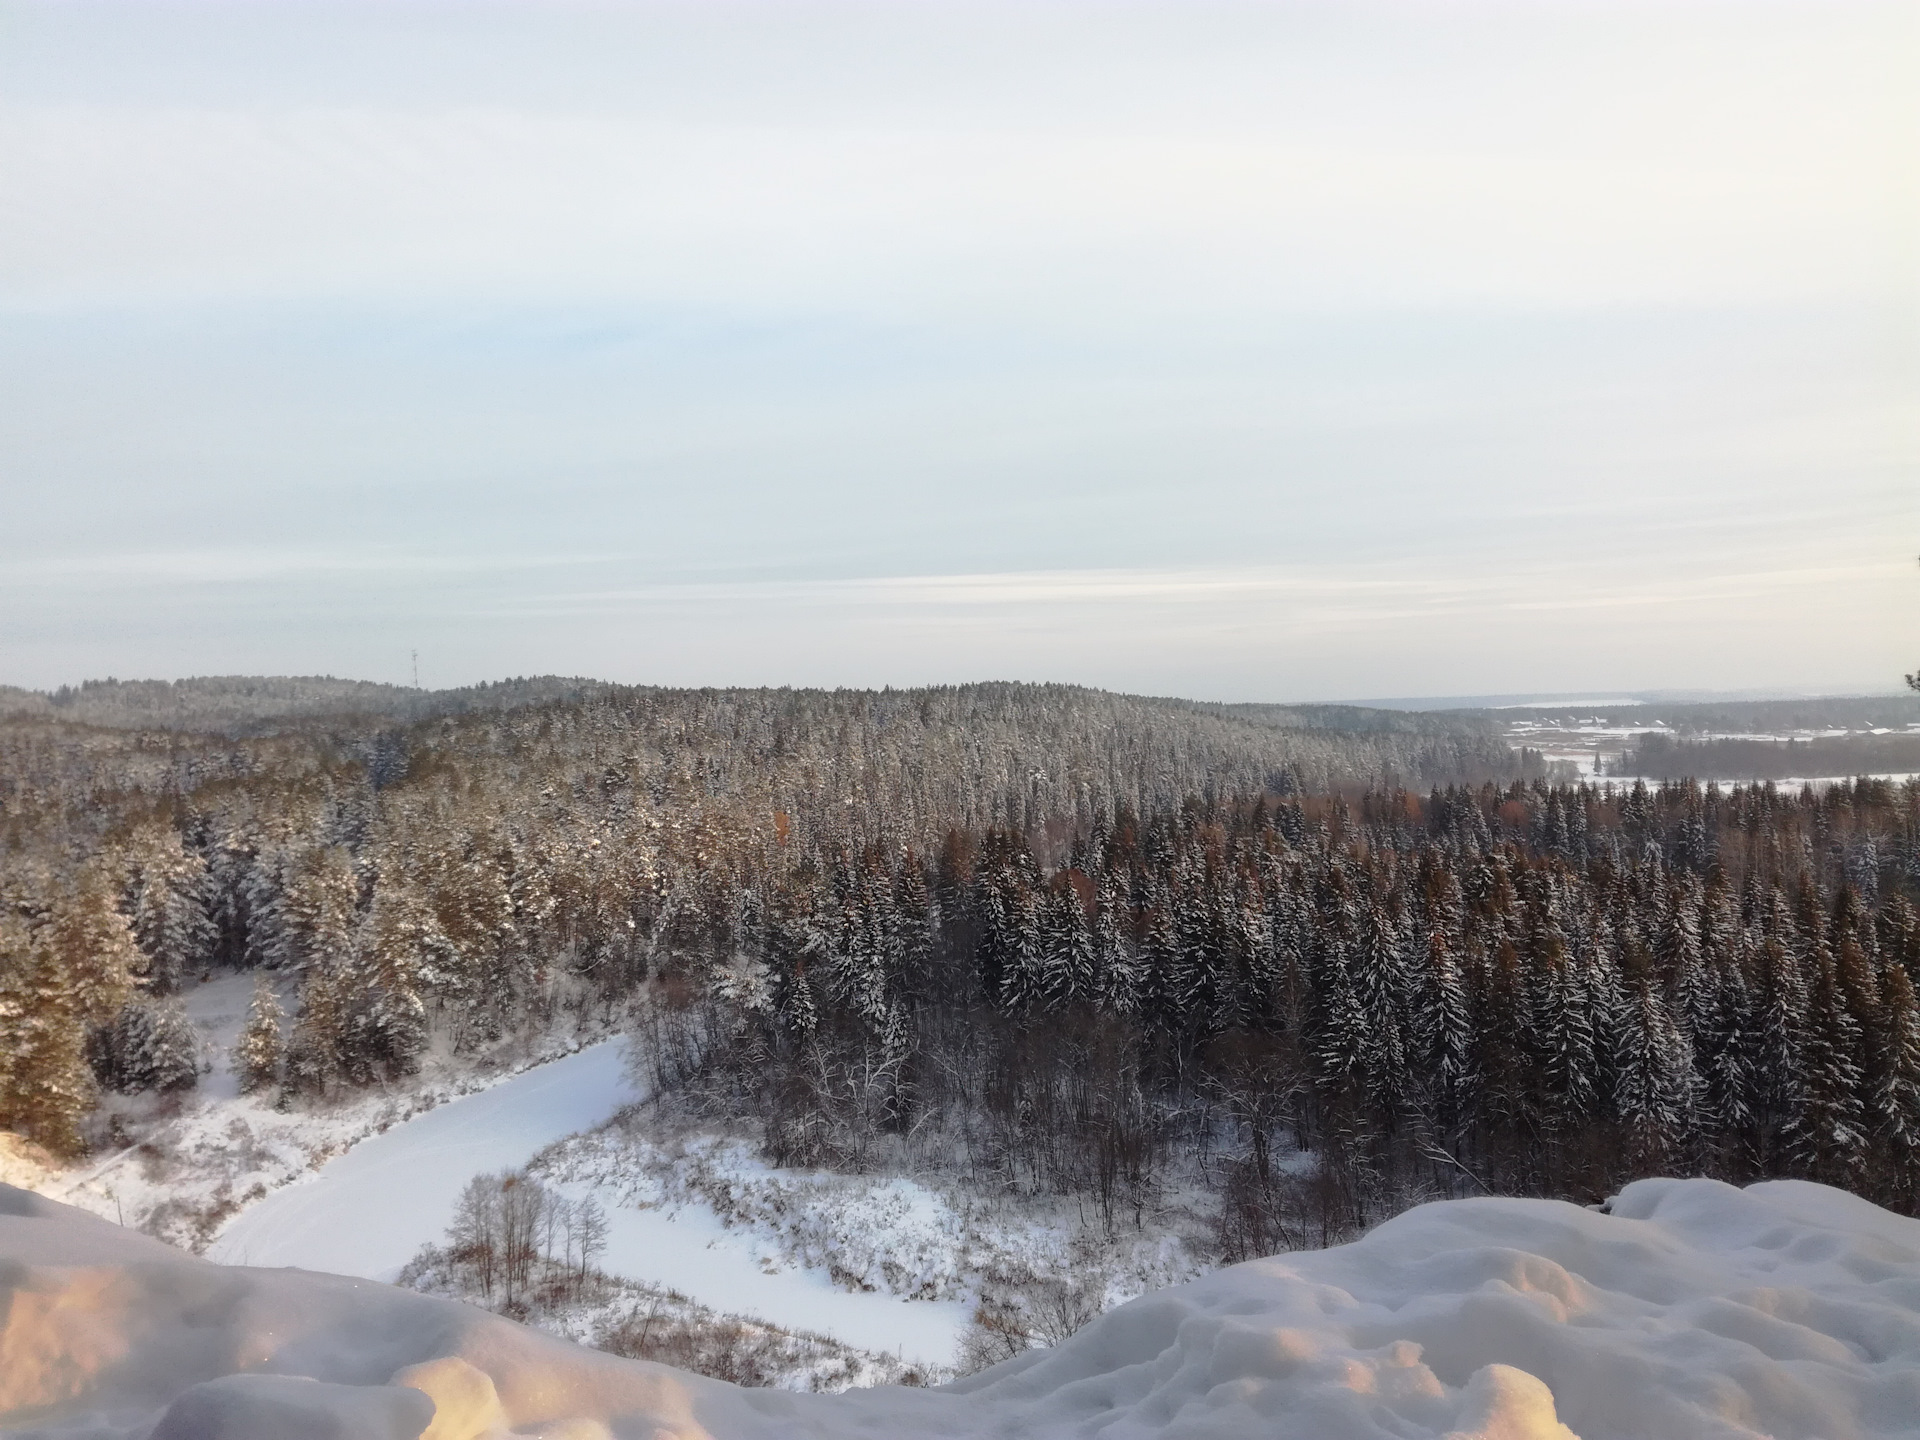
(1693, 1310)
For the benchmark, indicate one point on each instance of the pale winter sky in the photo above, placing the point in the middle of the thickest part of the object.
(1245, 351)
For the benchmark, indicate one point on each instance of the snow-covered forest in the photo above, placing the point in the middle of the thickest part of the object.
(1053, 939)
(466, 875)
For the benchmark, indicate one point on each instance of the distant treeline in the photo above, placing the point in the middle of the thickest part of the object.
(1666, 757)
(239, 703)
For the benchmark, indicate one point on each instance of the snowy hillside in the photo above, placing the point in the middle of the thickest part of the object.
(1692, 1309)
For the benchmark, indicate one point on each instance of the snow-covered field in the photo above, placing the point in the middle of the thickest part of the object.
(368, 1211)
(1591, 747)
(1691, 1310)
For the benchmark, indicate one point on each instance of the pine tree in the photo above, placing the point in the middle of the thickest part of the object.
(256, 1059)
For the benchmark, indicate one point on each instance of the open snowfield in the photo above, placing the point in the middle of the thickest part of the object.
(1593, 747)
(1692, 1310)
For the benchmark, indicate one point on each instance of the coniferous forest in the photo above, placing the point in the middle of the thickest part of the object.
(1059, 940)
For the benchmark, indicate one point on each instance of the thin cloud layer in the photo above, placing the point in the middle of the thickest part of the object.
(371, 321)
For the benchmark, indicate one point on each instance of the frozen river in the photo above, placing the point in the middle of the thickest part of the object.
(368, 1211)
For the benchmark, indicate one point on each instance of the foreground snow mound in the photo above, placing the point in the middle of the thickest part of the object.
(1692, 1310)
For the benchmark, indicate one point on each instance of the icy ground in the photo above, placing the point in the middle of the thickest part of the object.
(1692, 1310)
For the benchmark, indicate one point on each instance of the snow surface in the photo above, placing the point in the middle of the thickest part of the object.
(368, 1211)
(1693, 1310)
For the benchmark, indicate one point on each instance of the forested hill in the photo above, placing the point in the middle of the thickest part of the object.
(270, 822)
(903, 763)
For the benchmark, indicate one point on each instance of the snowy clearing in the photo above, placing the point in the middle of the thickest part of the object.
(1693, 1309)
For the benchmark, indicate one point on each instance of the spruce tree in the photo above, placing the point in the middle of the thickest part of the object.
(1116, 970)
(256, 1060)
(1654, 1090)
(1895, 1109)
(46, 1089)
(385, 1028)
(313, 1054)
(168, 903)
(152, 1045)
(1830, 1128)
(1445, 1030)
(1380, 989)
(1066, 941)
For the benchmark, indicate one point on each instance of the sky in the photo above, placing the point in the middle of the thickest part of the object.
(1280, 351)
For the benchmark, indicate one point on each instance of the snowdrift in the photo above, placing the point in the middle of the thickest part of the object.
(1691, 1310)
